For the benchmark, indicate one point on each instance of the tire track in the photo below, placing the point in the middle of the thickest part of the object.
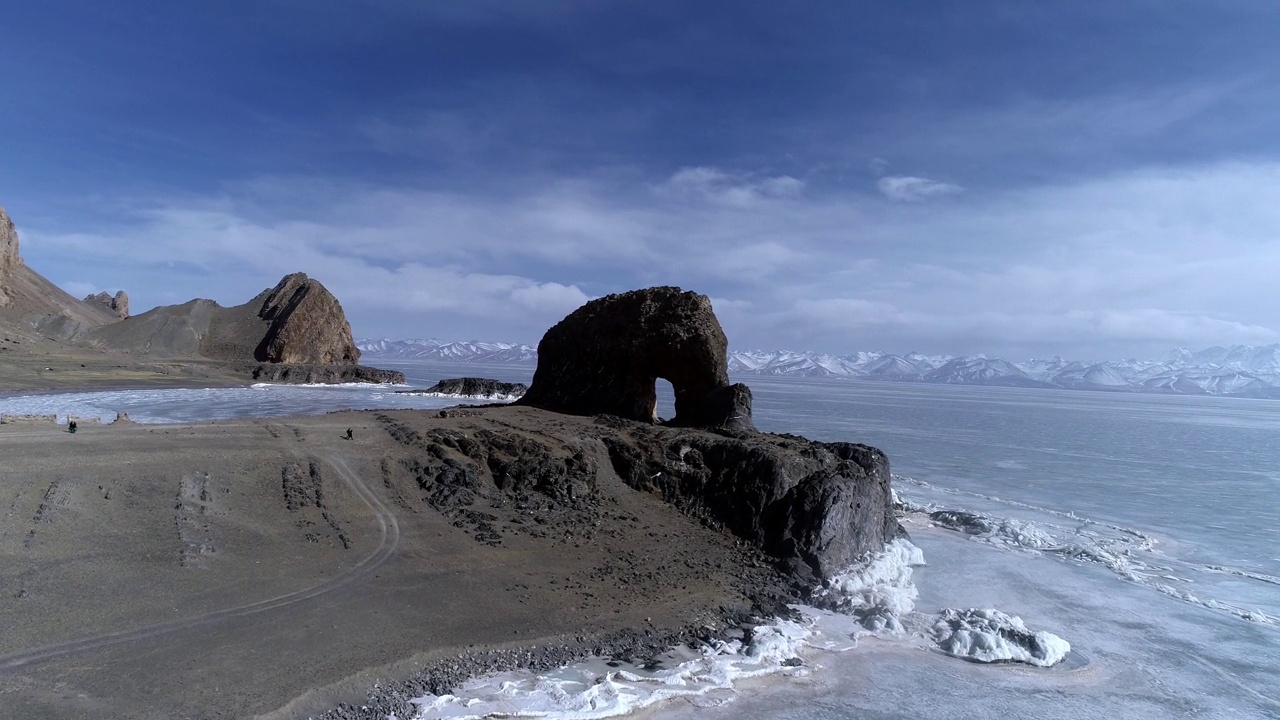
(388, 525)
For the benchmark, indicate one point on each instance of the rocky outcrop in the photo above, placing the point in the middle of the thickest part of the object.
(491, 481)
(8, 254)
(324, 374)
(117, 304)
(307, 325)
(605, 357)
(473, 388)
(815, 506)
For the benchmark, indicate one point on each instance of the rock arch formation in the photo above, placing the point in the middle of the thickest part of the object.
(605, 357)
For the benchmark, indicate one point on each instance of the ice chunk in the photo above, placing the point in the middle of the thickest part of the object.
(994, 636)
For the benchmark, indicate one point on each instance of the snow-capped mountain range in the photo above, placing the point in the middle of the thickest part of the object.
(452, 351)
(1241, 370)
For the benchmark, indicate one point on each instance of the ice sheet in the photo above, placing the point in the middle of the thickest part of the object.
(192, 405)
(1133, 555)
(1135, 654)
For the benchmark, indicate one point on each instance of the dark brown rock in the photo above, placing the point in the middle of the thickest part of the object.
(473, 387)
(605, 357)
(814, 506)
(307, 325)
(329, 374)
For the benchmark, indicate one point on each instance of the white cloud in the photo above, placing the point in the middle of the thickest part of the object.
(905, 188)
(79, 289)
(549, 298)
(1126, 264)
(848, 313)
(740, 190)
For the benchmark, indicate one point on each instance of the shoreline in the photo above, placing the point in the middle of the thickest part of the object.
(438, 676)
(123, 385)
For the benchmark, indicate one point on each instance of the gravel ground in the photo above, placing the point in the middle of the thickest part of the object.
(275, 569)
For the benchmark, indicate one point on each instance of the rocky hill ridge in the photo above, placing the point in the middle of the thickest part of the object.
(293, 332)
(26, 294)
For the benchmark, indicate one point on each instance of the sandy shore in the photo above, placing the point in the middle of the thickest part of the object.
(272, 568)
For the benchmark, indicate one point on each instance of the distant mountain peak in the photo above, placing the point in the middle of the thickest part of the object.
(1252, 371)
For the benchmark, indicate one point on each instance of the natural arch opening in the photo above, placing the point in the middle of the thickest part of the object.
(665, 403)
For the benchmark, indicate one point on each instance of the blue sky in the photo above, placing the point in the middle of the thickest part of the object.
(1090, 179)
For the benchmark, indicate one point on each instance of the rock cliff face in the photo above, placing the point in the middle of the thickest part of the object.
(815, 506)
(8, 254)
(307, 325)
(605, 357)
(117, 304)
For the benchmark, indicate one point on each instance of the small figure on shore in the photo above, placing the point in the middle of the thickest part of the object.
(349, 433)
(71, 426)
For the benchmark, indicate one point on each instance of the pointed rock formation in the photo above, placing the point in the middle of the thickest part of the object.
(117, 304)
(604, 358)
(307, 325)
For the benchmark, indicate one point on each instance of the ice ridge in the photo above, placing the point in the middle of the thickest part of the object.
(1132, 555)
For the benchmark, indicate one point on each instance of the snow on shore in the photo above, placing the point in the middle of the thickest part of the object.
(875, 597)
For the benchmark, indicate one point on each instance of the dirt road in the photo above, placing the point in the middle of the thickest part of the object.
(389, 532)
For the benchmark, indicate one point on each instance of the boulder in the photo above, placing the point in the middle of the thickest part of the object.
(307, 325)
(117, 304)
(604, 358)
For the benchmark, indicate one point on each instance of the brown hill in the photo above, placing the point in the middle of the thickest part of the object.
(294, 332)
(297, 322)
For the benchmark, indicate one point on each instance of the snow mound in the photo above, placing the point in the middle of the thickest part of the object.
(992, 636)
(878, 590)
